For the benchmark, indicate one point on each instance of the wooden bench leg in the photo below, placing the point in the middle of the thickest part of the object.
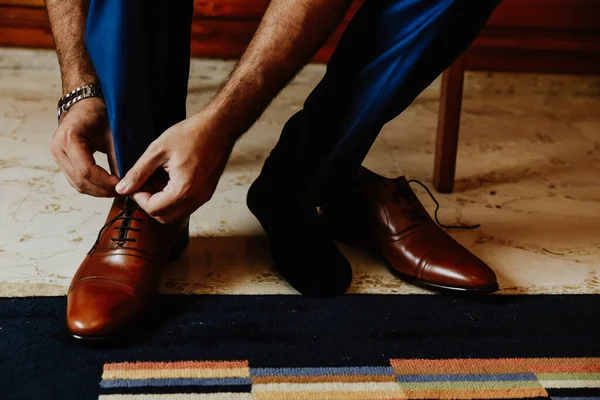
(448, 127)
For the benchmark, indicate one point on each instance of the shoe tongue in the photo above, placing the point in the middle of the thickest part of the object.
(126, 221)
(408, 201)
(130, 203)
(401, 181)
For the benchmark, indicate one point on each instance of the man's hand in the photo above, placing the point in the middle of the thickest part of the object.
(82, 131)
(193, 153)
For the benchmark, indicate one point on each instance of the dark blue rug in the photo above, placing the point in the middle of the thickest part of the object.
(271, 346)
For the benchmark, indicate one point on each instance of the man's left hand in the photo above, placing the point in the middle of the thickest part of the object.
(194, 154)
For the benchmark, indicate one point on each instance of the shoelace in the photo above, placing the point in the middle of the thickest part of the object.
(126, 214)
(418, 215)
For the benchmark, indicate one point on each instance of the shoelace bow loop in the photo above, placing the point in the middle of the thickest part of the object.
(417, 214)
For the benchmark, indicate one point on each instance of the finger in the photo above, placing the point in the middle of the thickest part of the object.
(163, 202)
(168, 214)
(177, 214)
(143, 169)
(143, 194)
(84, 187)
(86, 170)
(156, 204)
(142, 199)
(166, 206)
(61, 159)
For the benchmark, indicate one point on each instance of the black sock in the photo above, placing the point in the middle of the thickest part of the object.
(302, 250)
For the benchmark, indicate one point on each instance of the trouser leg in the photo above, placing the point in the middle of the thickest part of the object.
(391, 51)
(141, 53)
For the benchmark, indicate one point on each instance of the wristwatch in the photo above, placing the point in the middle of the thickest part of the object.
(82, 92)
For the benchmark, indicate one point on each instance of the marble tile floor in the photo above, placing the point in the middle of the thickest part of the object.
(528, 171)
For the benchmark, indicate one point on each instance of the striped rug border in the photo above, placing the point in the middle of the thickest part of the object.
(509, 378)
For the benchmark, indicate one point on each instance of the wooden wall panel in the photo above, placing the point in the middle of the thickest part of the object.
(27, 3)
(579, 15)
(220, 29)
(24, 26)
(523, 35)
(237, 9)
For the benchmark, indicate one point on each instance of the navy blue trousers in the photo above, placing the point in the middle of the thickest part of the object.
(391, 51)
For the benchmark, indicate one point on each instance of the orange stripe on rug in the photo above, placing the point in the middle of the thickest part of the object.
(477, 394)
(459, 366)
(171, 373)
(175, 365)
(561, 365)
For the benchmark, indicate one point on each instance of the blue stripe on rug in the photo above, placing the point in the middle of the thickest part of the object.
(113, 383)
(467, 378)
(325, 371)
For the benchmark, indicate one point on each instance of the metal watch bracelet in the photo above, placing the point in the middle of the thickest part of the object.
(82, 92)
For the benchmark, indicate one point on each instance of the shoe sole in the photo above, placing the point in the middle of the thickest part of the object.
(115, 336)
(442, 288)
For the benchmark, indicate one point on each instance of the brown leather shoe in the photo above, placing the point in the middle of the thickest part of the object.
(386, 216)
(120, 273)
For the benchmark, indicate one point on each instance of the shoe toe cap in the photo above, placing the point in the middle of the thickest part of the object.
(96, 308)
(460, 270)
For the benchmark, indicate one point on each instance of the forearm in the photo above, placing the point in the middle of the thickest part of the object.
(288, 37)
(68, 19)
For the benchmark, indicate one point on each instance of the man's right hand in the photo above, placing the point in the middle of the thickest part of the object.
(82, 131)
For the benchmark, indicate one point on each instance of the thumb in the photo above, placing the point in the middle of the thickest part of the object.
(143, 169)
